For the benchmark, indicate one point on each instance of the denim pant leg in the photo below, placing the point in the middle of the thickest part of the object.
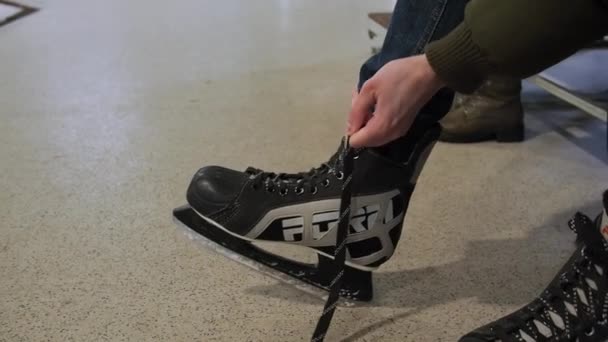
(413, 25)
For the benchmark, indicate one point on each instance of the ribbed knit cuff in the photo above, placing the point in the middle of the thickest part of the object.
(457, 60)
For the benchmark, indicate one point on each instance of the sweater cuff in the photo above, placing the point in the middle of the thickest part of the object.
(457, 60)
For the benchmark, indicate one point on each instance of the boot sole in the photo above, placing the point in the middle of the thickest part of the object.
(511, 135)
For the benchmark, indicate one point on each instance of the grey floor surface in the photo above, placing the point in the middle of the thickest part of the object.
(107, 108)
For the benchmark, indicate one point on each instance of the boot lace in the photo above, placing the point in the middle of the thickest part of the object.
(300, 182)
(572, 307)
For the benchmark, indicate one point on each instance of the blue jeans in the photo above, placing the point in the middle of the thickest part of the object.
(414, 24)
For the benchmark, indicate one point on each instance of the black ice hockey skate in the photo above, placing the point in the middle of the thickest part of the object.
(574, 307)
(229, 209)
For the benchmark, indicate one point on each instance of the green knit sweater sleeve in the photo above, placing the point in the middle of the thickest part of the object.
(515, 37)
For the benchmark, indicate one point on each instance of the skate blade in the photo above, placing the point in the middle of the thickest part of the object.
(330, 256)
(308, 278)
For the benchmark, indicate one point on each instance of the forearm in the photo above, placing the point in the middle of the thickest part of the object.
(515, 37)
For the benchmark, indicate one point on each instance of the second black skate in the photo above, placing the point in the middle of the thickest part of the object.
(574, 307)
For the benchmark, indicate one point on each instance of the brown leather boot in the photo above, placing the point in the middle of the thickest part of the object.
(494, 111)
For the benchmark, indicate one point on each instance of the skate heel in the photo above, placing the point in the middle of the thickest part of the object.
(513, 134)
(356, 284)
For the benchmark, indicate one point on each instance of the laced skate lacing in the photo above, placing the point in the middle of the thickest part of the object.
(300, 182)
(574, 306)
(347, 157)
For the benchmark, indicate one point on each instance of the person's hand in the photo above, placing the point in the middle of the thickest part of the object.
(387, 104)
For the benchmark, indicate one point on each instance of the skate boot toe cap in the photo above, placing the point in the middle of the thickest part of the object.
(215, 187)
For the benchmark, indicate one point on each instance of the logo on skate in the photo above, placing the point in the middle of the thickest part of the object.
(364, 219)
(293, 228)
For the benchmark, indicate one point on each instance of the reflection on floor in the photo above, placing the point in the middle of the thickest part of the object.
(584, 73)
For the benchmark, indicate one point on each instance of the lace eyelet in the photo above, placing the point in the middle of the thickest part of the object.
(269, 189)
(325, 182)
(314, 190)
(604, 321)
(283, 192)
(340, 175)
(590, 332)
(299, 191)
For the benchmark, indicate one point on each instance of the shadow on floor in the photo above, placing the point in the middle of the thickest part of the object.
(500, 272)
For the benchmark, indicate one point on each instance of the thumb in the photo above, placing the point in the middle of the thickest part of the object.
(369, 136)
(361, 110)
(353, 96)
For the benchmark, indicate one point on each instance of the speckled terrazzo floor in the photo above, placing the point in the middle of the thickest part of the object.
(107, 108)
